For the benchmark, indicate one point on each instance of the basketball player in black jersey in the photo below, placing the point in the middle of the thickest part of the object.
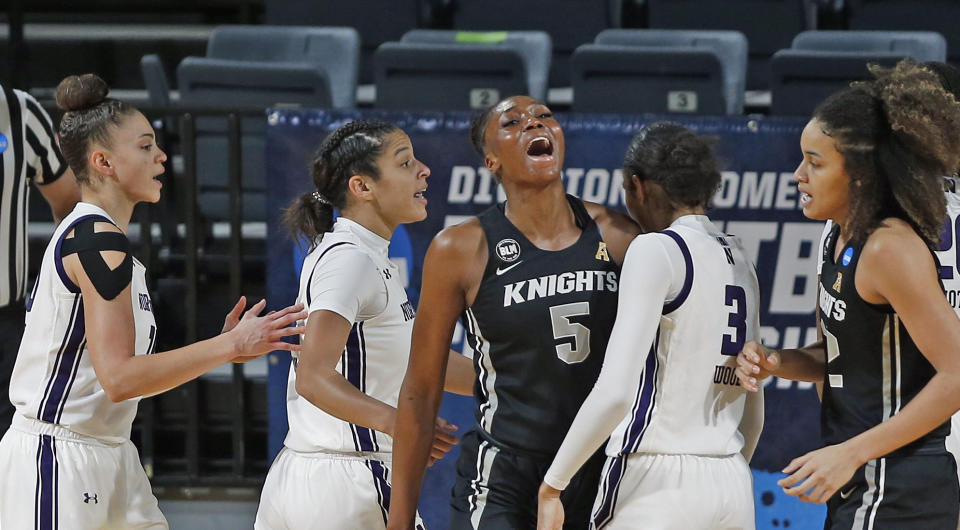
(535, 280)
(873, 160)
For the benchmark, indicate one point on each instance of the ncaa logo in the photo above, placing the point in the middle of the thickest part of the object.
(508, 250)
(847, 257)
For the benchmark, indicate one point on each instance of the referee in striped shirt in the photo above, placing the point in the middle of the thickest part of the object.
(28, 152)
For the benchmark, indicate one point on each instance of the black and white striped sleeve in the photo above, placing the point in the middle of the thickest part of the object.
(44, 161)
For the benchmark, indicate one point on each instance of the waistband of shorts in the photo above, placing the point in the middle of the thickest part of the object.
(340, 455)
(503, 446)
(33, 426)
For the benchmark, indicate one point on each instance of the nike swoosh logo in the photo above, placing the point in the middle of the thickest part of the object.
(505, 269)
(849, 492)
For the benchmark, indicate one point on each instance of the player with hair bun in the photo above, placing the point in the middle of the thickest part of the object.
(89, 348)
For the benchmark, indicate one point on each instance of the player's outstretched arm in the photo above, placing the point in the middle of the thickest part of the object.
(450, 272)
(756, 362)
(97, 260)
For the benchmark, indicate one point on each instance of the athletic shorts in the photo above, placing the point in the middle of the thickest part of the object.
(326, 490)
(55, 478)
(902, 492)
(681, 492)
(496, 487)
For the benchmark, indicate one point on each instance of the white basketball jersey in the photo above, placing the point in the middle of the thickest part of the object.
(689, 400)
(53, 379)
(947, 253)
(377, 350)
(950, 276)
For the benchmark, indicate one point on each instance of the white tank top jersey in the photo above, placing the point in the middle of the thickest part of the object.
(949, 248)
(689, 400)
(350, 274)
(950, 277)
(53, 379)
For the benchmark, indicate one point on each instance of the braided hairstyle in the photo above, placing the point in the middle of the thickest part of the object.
(673, 157)
(352, 149)
(899, 134)
(88, 118)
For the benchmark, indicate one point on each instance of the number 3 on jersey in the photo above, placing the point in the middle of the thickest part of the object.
(736, 300)
(575, 337)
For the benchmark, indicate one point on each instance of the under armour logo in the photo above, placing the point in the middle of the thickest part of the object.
(87, 498)
(386, 273)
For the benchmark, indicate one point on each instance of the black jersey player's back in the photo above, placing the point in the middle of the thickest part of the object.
(874, 368)
(538, 329)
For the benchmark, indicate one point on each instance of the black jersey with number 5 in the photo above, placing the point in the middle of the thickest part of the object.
(874, 368)
(538, 330)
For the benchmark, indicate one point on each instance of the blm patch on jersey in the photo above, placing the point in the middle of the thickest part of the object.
(508, 250)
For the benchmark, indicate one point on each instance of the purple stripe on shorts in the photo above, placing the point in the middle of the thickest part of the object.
(609, 488)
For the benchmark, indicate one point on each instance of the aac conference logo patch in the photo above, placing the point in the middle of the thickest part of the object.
(508, 250)
(3, 143)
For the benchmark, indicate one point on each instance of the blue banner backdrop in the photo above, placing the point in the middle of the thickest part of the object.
(758, 202)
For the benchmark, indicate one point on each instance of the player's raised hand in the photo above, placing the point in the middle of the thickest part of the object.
(256, 335)
(443, 440)
(550, 513)
(756, 362)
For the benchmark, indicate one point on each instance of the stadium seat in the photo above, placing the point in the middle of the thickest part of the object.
(155, 79)
(260, 66)
(768, 24)
(453, 70)
(376, 21)
(661, 71)
(822, 62)
(909, 15)
(569, 23)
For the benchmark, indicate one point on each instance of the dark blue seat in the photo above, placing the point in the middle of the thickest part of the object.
(661, 71)
(768, 24)
(822, 62)
(569, 23)
(453, 70)
(260, 66)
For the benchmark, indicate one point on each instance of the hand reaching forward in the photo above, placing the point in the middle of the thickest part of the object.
(253, 336)
(755, 362)
(443, 440)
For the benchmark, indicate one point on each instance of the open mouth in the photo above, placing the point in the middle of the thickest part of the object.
(421, 194)
(805, 198)
(540, 147)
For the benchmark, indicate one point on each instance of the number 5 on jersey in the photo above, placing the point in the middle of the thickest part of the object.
(575, 337)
